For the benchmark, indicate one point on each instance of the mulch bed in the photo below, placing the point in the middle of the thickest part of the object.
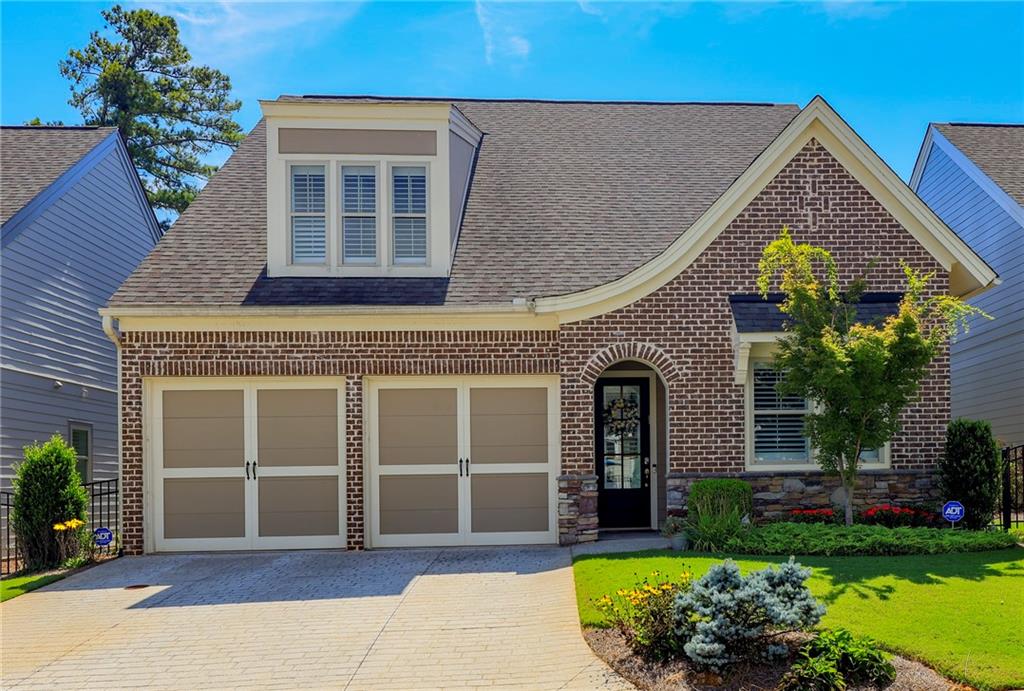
(609, 645)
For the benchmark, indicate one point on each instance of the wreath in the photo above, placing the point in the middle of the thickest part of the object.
(621, 417)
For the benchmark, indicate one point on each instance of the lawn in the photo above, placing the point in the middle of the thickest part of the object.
(962, 614)
(19, 585)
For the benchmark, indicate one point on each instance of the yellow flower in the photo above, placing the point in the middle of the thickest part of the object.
(59, 526)
(621, 592)
(74, 523)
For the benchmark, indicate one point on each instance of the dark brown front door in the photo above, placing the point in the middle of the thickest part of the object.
(623, 457)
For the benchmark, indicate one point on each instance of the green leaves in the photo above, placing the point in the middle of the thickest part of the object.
(170, 112)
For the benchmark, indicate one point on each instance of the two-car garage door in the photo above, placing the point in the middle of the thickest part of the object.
(237, 464)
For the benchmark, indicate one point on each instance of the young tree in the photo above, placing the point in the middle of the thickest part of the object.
(170, 112)
(860, 376)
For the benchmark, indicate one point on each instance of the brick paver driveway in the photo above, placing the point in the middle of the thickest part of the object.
(389, 619)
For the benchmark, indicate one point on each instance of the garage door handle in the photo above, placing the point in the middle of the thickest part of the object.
(460, 467)
(467, 467)
(247, 470)
(254, 470)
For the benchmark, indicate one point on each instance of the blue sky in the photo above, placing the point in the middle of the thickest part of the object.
(889, 68)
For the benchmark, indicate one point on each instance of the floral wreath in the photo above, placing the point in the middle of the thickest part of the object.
(627, 419)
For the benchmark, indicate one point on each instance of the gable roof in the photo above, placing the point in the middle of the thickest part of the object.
(550, 210)
(997, 149)
(752, 313)
(32, 158)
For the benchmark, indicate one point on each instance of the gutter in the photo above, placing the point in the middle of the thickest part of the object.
(108, 328)
(516, 306)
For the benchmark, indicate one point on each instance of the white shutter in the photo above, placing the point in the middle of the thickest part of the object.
(359, 214)
(308, 214)
(778, 420)
(409, 214)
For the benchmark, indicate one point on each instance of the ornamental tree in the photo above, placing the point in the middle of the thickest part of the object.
(860, 376)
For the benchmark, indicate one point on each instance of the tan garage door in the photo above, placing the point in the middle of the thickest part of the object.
(462, 460)
(245, 465)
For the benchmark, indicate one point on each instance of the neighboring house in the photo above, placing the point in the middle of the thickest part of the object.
(75, 223)
(972, 176)
(393, 322)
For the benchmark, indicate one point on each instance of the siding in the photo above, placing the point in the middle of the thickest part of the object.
(58, 269)
(462, 154)
(987, 376)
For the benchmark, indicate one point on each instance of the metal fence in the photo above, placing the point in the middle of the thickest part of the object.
(1011, 500)
(104, 512)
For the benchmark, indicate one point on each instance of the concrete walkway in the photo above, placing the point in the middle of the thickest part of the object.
(408, 619)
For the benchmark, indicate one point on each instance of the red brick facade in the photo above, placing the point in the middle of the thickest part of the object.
(683, 330)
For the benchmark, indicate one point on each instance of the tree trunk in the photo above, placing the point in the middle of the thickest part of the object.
(849, 504)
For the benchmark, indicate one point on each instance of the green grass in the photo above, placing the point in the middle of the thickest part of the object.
(962, 614)
(19, 585)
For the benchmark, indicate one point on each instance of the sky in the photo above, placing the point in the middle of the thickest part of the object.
(889, 68)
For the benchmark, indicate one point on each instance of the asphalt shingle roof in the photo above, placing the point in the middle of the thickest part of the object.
(565, 196)
(32, 158)
(752, 313)
(997, 149)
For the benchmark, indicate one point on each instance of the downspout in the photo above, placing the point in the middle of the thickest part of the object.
(112, 333)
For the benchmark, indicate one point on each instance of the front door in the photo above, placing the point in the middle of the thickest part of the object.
(622, 445)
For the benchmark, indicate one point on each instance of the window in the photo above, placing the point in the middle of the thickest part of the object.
(81, 442)
(409, 214)
(359, 214)
(308, 214)
(778, 421)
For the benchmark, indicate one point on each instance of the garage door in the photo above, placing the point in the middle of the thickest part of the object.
(462, 460)
(244, 465)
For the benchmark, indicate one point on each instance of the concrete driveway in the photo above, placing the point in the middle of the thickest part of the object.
(495, 617)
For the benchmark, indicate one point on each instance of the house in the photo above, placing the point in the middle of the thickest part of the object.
(972, 176)
(393, 322)
(74, 223)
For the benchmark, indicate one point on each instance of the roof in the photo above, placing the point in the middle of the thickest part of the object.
(32, 158)
(997, 149)
(753, 314)
(549, 212)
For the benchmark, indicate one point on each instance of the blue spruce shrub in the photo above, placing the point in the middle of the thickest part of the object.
(726, 616)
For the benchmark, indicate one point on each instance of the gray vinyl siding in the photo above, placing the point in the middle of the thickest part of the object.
(462, 154)
(60, 266)
(987, 365)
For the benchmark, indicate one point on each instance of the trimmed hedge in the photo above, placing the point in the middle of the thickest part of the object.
(727, 492)
(970, 468)
(862, 540)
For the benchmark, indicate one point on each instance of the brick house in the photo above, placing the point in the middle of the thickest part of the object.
(394, 322)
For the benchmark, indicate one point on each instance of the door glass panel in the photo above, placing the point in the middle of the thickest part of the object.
(508, 425)
(209, 507)
(504, 503)
(419, 504)
(621, 419)
(418, 427)
(203, 429)
(297, 427)
(305, 505)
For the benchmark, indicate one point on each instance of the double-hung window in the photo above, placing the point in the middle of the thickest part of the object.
(81, 442)
(359, 214)
(778, 421)
(308, 214)
(409, 214)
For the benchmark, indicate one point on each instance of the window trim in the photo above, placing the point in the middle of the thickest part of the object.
(378, 214)
(327, 212)
(391, 165)
(87, 427)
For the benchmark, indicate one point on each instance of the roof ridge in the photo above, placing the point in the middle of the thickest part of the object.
(58, 127)
(354, 97)
(983, 124)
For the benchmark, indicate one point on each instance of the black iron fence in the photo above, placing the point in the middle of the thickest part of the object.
(1011, 501)
(104, 512)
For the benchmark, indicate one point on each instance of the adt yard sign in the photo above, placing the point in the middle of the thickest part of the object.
(953, 511)
(103, 536)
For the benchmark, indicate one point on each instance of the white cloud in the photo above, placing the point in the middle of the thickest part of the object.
(225, 33)
(837, 10)
(503, 38)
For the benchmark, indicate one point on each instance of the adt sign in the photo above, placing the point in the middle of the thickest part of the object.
(102, 536)
(953, 511)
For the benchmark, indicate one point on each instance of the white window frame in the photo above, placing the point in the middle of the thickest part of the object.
(377, 212)
(328, 186)
(392, 215)
(86, 427)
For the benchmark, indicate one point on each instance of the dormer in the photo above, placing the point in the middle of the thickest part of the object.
(365, 187)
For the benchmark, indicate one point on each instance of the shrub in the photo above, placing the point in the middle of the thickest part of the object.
(47, 491)
(969, 470)
(726, 617)
(892, 516)
(814, 516)
(645, 616)
(838, 659)
(717, 509)
(840, 540)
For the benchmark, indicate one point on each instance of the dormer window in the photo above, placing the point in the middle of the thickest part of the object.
(409, 214)
(308, 214)
(359, 214)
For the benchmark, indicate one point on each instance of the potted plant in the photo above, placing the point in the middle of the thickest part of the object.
(675, 530)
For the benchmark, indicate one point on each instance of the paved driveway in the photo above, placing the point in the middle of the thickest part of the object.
(389, 619)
